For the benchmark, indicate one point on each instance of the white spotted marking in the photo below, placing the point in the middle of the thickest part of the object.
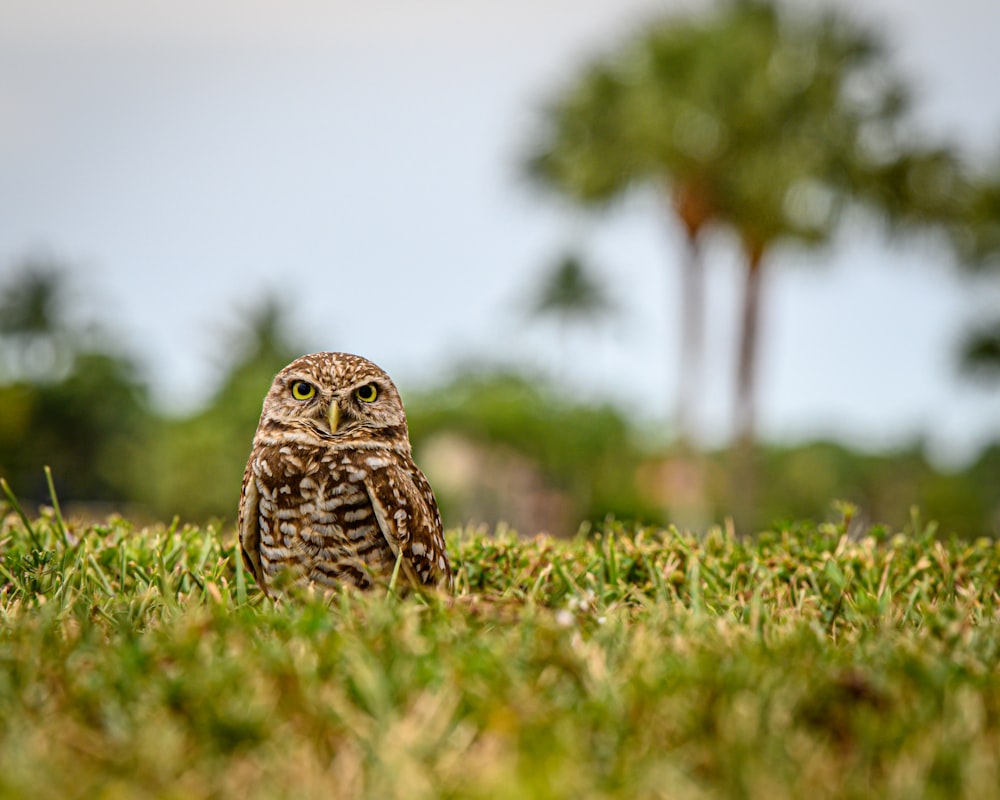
(277, 553)
(357, 514)
(364, 532)
(311, 536)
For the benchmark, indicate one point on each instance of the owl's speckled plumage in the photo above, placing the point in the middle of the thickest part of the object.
(330, 490)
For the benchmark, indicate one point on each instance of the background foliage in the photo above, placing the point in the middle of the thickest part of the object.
(757, 120)
(499, 447)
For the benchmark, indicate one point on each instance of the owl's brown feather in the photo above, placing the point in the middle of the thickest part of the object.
(333, 506)
(409, 519)
(248, 528)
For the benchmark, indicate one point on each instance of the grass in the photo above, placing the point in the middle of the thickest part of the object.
(635, 664)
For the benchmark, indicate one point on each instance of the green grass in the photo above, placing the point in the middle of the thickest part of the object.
(802, 663)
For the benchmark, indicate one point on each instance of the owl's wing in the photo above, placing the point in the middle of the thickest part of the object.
(249, 525)
(408, 516)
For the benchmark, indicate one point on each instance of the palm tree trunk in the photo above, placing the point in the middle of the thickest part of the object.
(692, 339)
(743, 472)
(688, 508)
(746, 375)
(691, 206)
(693, 209)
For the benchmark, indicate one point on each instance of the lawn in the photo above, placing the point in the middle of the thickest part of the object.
(811, 661)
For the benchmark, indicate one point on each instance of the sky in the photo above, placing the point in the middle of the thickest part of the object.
(361, 163)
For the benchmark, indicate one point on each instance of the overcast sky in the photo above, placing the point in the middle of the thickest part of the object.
(360, 161)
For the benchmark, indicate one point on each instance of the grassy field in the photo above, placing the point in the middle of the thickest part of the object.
(805, 662)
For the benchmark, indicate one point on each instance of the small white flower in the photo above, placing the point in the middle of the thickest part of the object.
(564, 618)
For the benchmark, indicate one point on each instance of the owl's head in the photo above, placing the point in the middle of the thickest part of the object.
(335, 397)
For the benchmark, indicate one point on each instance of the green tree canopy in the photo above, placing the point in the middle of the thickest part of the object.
(67, 399)
(570, 291)
(763, 119)
(196, 464)
(976, 237)
(37, 341)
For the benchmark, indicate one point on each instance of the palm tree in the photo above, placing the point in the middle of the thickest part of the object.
(752, 119)
(34, 336)
(976, 237)
(814, 142)
(614, 129)
(981, 352)
(569, 293)
(798, 137)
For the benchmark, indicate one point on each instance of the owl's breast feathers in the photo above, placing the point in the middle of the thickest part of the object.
(339, 516)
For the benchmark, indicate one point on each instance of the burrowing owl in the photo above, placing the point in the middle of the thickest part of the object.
(330, 491)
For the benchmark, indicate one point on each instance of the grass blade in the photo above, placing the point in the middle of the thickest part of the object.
(20, 512)
(60, 524)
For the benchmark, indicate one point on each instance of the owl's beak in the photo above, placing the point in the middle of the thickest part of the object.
(333, 415)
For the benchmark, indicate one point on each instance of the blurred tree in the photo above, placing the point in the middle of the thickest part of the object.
(31, 303)
(981, 353)
(578, 458)
(754, 118)
(818, 121)
(67, 400)
(796, 482)
(475, 434)
(602, 138)
(976, 229)
(571, 294)
(197, 464)
(33, 325)
(976, 236)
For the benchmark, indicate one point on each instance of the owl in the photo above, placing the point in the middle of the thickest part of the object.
(331, 496)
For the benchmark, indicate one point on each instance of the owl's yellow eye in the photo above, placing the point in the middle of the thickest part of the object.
(301, 390)
(367, 393)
